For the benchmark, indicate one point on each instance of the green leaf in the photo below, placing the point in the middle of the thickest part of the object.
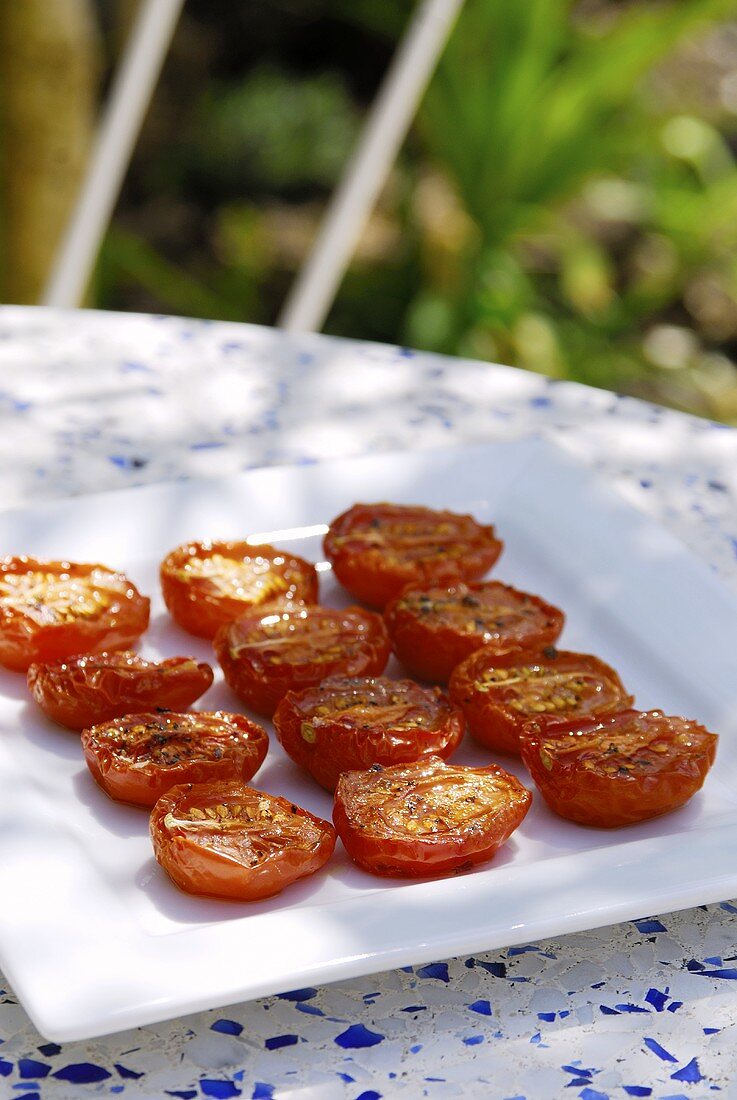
(126, 256)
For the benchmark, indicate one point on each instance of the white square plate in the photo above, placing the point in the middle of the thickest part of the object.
(94, 937)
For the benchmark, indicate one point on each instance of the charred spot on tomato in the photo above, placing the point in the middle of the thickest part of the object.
(463, 867)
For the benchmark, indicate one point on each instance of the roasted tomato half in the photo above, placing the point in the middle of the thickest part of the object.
(137, 758)
(551, 684)
(207, 584)
(428, 817)
(226, 840)
(616, 771)
(55, 609)
(378, 549)
(434, 629)
(349, 723)
(82, 691)
(295, 646)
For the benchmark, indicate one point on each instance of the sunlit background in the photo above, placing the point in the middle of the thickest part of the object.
(566, 201)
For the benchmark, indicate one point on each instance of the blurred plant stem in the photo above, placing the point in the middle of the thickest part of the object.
(49, 60)
(127, 257)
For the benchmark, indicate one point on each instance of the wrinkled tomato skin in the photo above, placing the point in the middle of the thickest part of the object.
(201, 603)
(186, 748)
(376, 550)
(106, 612)
(379, 816)
(265, 655)
(297, 843)
(84, 691)
(553, 684)
(605, 772)
(397, 721)
(433, 629)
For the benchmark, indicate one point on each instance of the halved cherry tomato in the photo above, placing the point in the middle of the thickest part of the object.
(207, 584)
(427, 818)
(378, 549)
(225, 840)
(616, 771)
(349, 723)
(55, 609)
(434, 629)
(294, 646)
(137, 758)
(551, 684)
(82, 691)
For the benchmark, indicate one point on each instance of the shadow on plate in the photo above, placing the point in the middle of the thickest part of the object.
(119, 818)
(184, 908)
(48, 735)
(13, 685)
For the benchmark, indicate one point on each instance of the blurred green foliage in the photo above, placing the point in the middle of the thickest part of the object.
(563, 203)
(529, 109)
(270, 134)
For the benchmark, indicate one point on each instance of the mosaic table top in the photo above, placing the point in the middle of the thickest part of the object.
(93, 401)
